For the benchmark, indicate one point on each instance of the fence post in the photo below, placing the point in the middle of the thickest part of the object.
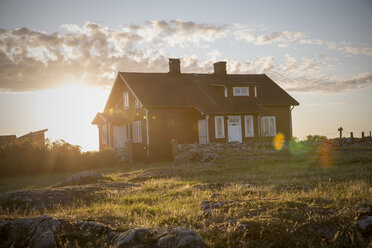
(362, 135)
(340, 130)
(352, 137)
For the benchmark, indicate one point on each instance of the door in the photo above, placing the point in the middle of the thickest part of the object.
(202, 128)
(120, 136)
(234, 128)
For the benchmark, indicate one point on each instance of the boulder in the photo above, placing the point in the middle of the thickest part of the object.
(47, 232)
(85, 177)
(183, 158)
(47, 198)
(180, 238)
(365, 226)
(29, 232)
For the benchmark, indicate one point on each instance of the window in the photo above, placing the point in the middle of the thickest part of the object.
(104, 134)
(241, 91)
(219, 127)
(126, 100)
(137, 132)
(255, 91)
(268, 126)
(137, 103)
(249, 131)
(225, 91)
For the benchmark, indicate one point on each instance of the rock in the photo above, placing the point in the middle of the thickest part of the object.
(181, 238)
(143, 237)
(29, 232)
(183, 158)
(365, 226)
(85, 177)
(45, 232)
(47, 198)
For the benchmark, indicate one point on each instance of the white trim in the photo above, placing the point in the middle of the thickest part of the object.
(147, 133)
(255, 91)
(216, 119)
(126, 83)
(250, 119)
(271, 120)
(137, 132)
(104, 134)
(225, 88)
(126, 100)
(207, 127)
(238, 91)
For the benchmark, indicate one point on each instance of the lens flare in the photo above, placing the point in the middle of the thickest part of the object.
(278, 141)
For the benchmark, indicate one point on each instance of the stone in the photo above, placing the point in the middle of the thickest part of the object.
(183, 158)
(365, 226)
(47, 198)
(45, 232)
(29, 232)
(181, 238)
(136, 237)
(84, 177)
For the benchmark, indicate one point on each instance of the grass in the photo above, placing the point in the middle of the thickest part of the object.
(295, 202)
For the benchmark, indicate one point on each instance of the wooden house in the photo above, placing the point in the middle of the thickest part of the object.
(150, 109)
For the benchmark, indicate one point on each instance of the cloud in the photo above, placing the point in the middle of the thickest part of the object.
(92, 54)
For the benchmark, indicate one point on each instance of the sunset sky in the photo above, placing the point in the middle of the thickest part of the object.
(58, 60)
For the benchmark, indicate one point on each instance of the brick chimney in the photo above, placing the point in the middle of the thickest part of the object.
(174, 66)
(220, 68)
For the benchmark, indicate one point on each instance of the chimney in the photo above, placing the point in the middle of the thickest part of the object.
(174, 66)
(220, 68)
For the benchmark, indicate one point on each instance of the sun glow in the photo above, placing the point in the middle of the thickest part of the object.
(68, 111)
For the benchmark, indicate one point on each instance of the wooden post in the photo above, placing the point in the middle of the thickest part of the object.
(340, 130)
(351, 135)
(362, 135)
(370, 134)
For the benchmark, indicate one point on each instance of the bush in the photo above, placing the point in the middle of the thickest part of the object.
(27, 158)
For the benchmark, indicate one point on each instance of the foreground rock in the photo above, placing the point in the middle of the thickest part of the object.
(45, 231)
(47, 198)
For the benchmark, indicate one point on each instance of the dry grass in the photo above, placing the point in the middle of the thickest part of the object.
(271, 203)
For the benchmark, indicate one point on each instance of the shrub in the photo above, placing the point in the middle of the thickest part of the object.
(28, 158)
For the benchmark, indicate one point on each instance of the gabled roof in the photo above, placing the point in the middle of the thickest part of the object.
(197, 90)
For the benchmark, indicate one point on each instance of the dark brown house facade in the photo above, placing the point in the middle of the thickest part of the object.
(148, 110)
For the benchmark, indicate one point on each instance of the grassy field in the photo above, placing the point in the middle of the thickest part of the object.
(234, 202)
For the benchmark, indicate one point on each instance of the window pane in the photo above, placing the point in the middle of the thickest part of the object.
(272, 126)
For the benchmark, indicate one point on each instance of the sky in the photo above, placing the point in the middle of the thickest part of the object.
(58, 59)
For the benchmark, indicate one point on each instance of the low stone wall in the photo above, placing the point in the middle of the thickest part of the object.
(246, 146)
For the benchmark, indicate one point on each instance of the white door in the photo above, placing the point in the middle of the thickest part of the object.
(234, 128)
(120, 136)
(202, 128)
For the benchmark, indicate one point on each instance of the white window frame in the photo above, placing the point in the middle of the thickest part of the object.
(268, 118)
(137, 103)
(216, 119)
(225, 91)
(104, 134)
(255, 91)
(126, 100)
(248, 133)
(238, 91)
(137, 132)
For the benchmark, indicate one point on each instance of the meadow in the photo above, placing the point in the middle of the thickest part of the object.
(312, 198)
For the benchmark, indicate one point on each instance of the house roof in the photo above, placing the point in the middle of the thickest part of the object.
(115, 118)
(197, 90)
